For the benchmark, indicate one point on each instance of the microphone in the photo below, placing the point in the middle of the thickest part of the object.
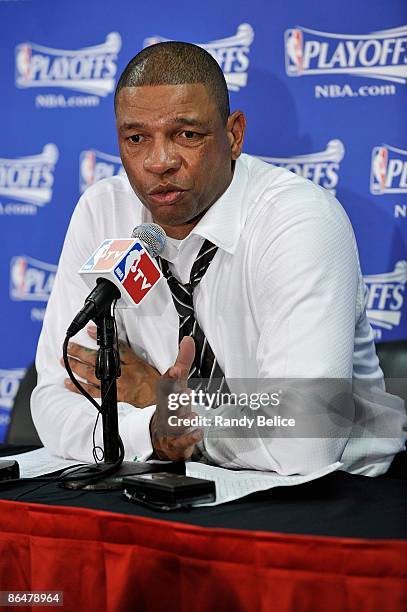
(124, 270)
(152, 236)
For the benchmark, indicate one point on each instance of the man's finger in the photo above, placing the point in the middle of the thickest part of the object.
(92, 331)
(87, 355)
(91, 389)
(127, 355)
(85, 371)
(185, 440)
(178, 448)
(185, 359)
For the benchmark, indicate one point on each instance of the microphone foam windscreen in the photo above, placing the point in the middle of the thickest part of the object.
(152, 236)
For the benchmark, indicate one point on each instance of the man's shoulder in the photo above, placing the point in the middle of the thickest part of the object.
(267, 177)
(109, 207)
(110, 196)
(280, 201)
(110, 186)
(275, 189)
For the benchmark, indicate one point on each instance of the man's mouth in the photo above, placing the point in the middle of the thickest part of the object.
(165, 194)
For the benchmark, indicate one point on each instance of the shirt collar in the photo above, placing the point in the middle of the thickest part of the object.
(223, 222)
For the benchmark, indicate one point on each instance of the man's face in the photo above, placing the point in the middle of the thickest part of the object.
(176, 150)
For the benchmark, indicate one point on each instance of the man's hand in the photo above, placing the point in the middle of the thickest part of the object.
(168, 445)
(136, 385)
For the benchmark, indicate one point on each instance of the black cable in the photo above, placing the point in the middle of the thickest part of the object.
(48, 480)
(95, 446)
(72, 377)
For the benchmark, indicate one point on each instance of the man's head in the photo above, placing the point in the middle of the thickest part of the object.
(176, 63)
(177, 140)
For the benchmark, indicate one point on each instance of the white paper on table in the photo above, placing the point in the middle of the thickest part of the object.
(40, 462)
(234, 484)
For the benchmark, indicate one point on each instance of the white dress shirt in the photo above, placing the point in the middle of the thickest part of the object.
(283, 298)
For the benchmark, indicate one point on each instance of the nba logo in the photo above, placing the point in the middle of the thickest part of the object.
(18, 276)
(23, 61)
(294, 52)
(379, 170)
(87, 170)
(137, 273)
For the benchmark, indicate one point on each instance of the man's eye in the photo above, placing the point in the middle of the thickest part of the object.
(189, 135)
(136, 138)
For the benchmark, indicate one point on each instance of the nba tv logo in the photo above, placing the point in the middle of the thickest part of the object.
(379, 55)
(322, 167)
(231, 53)
(95, 166)
(388, 172)
(30, 279)
(124, 262)
(90, 69)
(137, 273)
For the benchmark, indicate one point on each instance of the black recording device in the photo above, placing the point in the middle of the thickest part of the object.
(167, 491)
(9, 470)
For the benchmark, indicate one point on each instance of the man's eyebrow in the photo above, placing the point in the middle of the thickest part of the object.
(188, 121)
(134, 125)
(139, 125)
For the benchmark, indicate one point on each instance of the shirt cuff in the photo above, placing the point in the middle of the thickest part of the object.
(134, 428)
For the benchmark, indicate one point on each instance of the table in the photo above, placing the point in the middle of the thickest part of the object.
(339, 543)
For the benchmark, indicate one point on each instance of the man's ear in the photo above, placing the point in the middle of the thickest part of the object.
(236, 126)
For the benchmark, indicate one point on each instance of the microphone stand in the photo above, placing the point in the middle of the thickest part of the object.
(107, 370)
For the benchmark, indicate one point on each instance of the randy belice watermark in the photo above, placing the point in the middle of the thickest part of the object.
(291, 407)
(218, 420)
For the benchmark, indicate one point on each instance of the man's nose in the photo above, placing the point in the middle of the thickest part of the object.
(162, 157)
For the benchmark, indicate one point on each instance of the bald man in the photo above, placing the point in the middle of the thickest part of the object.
(280, 297)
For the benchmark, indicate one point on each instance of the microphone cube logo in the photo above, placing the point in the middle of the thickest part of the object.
(125, 262)
(137, 273)
(107, 255)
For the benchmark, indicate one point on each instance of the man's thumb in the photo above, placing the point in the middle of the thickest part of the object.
(185, 359)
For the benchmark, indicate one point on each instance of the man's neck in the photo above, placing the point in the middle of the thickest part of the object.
(179, 232)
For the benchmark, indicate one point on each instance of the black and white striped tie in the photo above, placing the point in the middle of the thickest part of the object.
(205, 364)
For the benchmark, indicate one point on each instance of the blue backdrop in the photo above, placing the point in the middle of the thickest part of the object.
(323, 86)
